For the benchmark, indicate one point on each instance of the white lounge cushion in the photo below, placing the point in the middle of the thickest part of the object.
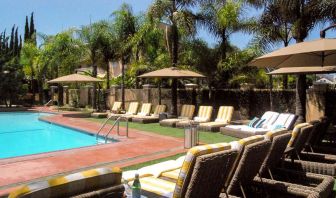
(199, 119)
(270, 117)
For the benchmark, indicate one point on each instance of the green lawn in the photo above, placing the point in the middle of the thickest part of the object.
(206, 137)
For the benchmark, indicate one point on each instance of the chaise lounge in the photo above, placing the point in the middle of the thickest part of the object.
(187, 113)
(268, 122)
(224, 117)
(203, 115)
(153, 118)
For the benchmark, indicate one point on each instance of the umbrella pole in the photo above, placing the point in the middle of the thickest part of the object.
(174, 97)
(270, 91)
(159, 92)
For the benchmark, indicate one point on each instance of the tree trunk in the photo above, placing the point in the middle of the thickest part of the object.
(175, 45)
(40, 89)
(300, 100)
(32, 85)
(107, 83)
(223, 45)
(107, 74)
(285, 81)
(122, 84)
(94, 93)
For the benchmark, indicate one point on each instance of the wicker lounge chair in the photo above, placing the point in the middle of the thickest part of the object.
(252, 149)
(203, 115)
(223, 118)
(315, 142)
(91, 183)
(187, 113)
(132, 110)
(272, 178)
(272, 121)
(309, 162)
(153, 118)
(192, 177)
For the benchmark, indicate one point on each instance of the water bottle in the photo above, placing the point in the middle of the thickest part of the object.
(136, 187)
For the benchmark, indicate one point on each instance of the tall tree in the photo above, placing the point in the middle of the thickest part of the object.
(26, 31)
(274, 27)
(222, 19)
(16, 43)
(124, 24)
(11, 42)
(178, 14)
(20, 45)
(90, 37)
(305, 15)
(32, 30)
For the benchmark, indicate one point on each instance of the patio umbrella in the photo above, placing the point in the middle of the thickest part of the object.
(320, 52)
(172, 72)
(75, 78)
(304, 70)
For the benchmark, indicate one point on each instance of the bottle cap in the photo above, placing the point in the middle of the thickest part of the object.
(136, 175)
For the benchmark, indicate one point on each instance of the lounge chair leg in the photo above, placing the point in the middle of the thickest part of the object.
(270, 173)
(242, 190)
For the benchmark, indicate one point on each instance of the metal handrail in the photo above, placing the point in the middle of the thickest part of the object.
(114, 124)
(44, 106)
(101, 128)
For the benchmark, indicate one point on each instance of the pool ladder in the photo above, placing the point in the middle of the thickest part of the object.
(115, 124)
(41, 110)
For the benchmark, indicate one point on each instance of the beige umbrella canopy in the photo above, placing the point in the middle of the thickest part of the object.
(320, 52)
(171, 72)
(75, 78)
(175, 73)
(304, 70)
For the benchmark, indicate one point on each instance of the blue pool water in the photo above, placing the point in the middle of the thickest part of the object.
(21, 133)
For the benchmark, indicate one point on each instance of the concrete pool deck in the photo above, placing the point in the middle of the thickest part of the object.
(139, 147)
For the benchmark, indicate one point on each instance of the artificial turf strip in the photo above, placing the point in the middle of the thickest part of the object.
(138, 166)
(206, 137)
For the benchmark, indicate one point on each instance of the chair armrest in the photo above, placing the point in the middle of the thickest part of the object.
(114, 191)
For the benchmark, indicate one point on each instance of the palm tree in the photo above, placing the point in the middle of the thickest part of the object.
(222, 19)
(177, 14)
(305, 14)
(125, 28)
(274, 27)
(90, 37)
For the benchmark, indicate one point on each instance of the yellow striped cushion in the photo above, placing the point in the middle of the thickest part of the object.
(159, 109)
(225, 114)
(204, 113)
(158, 186)
(295, 133)
(172, 174)
(271, 134)
(116, 106)
(187, 111)
(133, 108)
(145, 109)
(189, 162)
(72, 184)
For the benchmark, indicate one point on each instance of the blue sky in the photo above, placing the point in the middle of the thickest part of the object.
(52, 16)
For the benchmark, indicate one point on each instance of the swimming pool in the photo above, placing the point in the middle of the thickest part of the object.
(21, 133)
